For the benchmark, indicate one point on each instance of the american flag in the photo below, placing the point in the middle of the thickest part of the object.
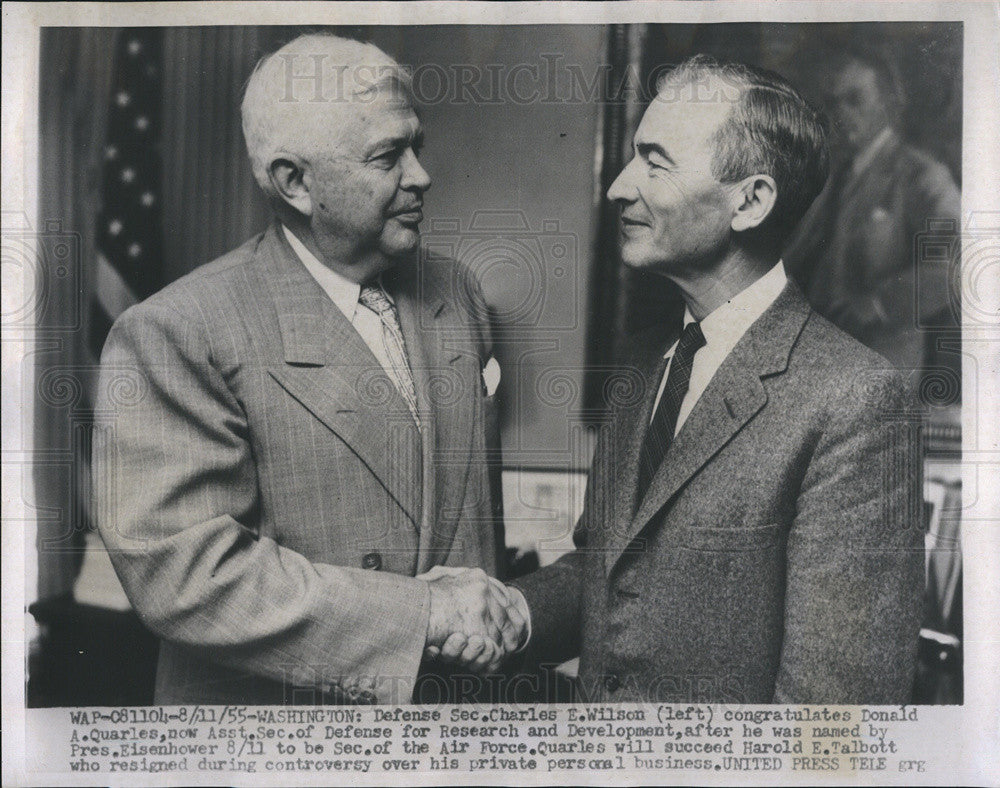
(128, 265)
(129, 234)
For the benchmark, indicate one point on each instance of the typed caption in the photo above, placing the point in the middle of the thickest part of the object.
(127, 745)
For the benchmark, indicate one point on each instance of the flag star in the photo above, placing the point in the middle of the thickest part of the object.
(147, 199)
(134, 250)
(111, 153)
(123, 99)
(115, 227)
(134, 47)
(128, 175)
(142, 123)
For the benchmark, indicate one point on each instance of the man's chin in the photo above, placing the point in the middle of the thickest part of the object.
(634, 258)
(648, 263)
(402, 243)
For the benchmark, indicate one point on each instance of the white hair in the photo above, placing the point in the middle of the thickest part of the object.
(289, 96)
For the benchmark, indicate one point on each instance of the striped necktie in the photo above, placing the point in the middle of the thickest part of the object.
(661, 430)
(376, 299)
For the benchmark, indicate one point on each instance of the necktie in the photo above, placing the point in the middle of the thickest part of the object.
(661, 429)
(375, 298)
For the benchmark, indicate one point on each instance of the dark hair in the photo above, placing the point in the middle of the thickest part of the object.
(770, 130)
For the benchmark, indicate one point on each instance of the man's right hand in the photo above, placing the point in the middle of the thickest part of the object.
(475, 621)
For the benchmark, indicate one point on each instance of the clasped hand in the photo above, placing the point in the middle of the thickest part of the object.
(475, 620)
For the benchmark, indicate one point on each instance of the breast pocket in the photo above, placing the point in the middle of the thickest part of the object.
(714, 539)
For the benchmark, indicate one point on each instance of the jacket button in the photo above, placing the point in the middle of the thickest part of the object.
(371, 561)
(612, 682)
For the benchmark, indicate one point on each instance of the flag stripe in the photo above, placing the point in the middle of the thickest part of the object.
(112, 291)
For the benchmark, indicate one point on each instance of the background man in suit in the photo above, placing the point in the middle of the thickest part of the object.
(855, 252)
(312, 430)
(751, 528)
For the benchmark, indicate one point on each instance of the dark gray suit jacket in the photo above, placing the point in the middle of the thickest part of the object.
(263, 490)
(778, 553)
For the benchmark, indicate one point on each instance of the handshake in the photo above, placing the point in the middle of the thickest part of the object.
(475, 620)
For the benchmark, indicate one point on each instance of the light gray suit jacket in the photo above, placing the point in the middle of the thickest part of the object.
(263, 490)
(777, 555)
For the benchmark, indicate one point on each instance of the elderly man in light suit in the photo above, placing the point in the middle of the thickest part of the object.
(313, 429)
(752, 528)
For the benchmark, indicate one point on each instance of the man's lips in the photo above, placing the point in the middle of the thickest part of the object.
(410, 215)
(627, 221)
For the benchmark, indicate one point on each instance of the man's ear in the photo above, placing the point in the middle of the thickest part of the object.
(287, 175)
(754, 199)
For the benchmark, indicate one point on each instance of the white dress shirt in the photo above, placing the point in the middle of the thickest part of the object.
(722, 329)
(345, 293)
(871, 150)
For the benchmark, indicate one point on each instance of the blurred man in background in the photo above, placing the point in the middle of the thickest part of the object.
(855, 253)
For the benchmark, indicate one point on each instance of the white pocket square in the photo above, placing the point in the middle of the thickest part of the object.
(491, 376)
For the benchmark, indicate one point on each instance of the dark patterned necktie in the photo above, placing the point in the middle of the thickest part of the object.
(661, 430)
(375, 298)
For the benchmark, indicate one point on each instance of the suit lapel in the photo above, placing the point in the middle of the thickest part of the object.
(416, 323)
(330, 370)
(630, 424)
(733, 397)
(447, 376)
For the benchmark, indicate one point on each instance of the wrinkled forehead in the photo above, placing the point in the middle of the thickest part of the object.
(687, 112)
(383, 113)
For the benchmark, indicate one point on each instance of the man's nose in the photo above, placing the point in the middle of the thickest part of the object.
(414, 175)
(622, 189)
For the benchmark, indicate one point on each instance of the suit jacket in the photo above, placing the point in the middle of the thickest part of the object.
(777, 555)
(869, 253)
(264, 492)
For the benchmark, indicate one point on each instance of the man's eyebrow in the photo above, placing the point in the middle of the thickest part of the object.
(397, 141)
(645, 148)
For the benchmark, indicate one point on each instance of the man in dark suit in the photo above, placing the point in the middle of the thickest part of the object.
(312, 424)
(856, 251)
(751, 532)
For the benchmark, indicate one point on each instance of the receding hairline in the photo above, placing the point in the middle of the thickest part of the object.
(677, 78)
(741, 77)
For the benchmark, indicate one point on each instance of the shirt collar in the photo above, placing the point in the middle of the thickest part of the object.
(341, 290)
(726, 325)
(867, 156)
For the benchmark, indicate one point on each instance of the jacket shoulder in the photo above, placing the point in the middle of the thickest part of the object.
(848, 375)
(919, 171)
(914, 159)
(820, 339)
(189, 311)
(206, 289)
